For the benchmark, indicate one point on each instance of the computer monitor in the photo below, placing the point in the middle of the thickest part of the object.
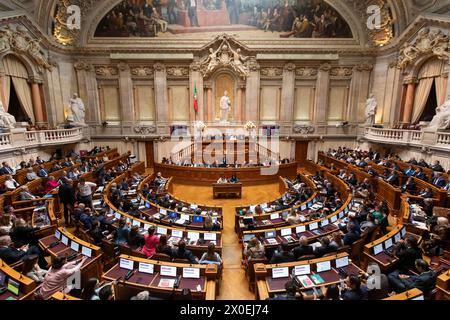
(286, 232)
(177, 233)
(346, 210)
(303, 207)
(264, 206)
(85, 251)
(147, 205)
(397, 237)
(274, 216)
(117, 215)
(388, 243)
(342, 262)
(126, 264)
(162, 211)
(173, 215)
(13, 286)
(313, 226)
(377, 249)
(280, 272)
(193, 236)
(161, 230)
(197, 219)
(314, 200)
(270, 234)
(248, 237)
(58, 234)
(300, 229)
(74, 246)
(333, 218)
(65, 240)
(210, 236)
(302, 270)
(403, 232)
(194, 206)
(252, 208)
(310, 204)
(146, 268)
(324, 222)
(185, 217)
(247, 220)
(341, 214)
(285, 215)
(323, 266)
(191, 273)
(136, 223)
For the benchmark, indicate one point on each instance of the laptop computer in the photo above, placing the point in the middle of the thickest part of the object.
(197, 219)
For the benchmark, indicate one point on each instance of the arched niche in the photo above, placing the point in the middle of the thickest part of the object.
(221, 80)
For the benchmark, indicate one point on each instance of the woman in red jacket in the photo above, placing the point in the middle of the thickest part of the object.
(151, 240)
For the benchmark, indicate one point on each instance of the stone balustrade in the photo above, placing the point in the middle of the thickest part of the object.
(20, 138)
(438, 140)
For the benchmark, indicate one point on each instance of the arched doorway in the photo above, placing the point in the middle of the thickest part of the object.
(224, 82)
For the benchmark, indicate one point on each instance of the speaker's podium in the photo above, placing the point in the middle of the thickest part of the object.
(227, 190)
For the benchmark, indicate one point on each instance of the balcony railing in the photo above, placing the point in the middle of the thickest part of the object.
(440, 140)
(30, 139)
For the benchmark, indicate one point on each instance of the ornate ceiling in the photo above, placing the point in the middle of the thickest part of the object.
(397, 15)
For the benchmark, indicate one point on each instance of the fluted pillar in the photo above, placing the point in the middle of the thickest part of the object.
(2, 86)
(161, 98)
(88, 91)
(240, 95)
(288, 93)
(252, 92)
(322, 94)
(126, 94)
(37, 102)
(409, 100)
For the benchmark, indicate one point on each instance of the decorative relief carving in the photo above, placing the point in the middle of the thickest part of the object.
(341, 72)
(142, 71)
(271, 72)
(123, 66)
(226, 57)
(159, 67)
(427, 42)
(145, 129)
(106, 71)
(289, 67)
(325, 67)
(306, 72)
(253, 64)
(178, 71)
(20, 41)
(364, 67)
(195, 66)
(81, 65)
(303, 129)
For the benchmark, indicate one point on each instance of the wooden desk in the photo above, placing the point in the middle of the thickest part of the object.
(413, 294)
(27, 285)
(229, 190)
(443, 286)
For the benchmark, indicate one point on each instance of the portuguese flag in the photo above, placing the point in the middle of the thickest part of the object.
(195, 99)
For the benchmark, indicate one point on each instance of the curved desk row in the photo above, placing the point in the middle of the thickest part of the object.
(19, 287)
(250, 174)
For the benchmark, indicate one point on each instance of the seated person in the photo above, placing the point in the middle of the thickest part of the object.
(422, 163)
(409, 186)
(32, 270)
(50, 184)
(426, 193)
(283, 255)
(96, 233)
(353, 289)
(337, 240)
(183, 253)
(293, 218)
(419, 174)
(379, 288)
(31, 175)
(410, 171)
(222, 180)
(303, 249)
(10, 255)
(254, 249)
(437, 166)
(325, 247)
(392, 178)
(352, 235)
(135, 239)
(122, 232)
(163, 247)
(369, 225)
(425, 281)
(22, 234)
(25, 194)
(234, 179)
(438, 180)
(211, 256)
(291, 292)
(407, 251)
(10, 183)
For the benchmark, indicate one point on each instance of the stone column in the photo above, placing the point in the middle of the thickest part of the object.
(288, 93)
(209, 104)
(37, 101)
(161, 98)
(196, 79)
(126, 94)
(2, 84)
(240, 94)
(359, 92)
(322, 94)
(409, 100)
(252, 92)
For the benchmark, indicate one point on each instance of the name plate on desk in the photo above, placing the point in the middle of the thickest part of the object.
(280, 272)
(126, 264)
(168, 271)
(302, 270)
(191, 273)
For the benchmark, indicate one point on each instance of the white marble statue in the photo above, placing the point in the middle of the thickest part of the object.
(225, 105)
(442, 118)
(371, 109)
(7, 120)
(78, 110)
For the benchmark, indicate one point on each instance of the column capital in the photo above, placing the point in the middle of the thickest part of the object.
(325, 67)
(289, 67)
(82, 65)
(410, 80)
(123, 66)
(35, 80)
(160, 67)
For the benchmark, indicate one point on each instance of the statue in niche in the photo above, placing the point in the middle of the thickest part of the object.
(225, 105)
(442, 118)
(78, 110)
(371, 110)
(6, 120)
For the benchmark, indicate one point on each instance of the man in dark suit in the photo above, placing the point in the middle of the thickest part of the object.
(439, 180)
(407, 251)
(422, 163)
(419, 174)
(352, 235)
(325, 248)
(10, 255)
(191, 6)
(412, 161)
(66, 195)
(427, 193)
(392, 178)
(437, 166)
(6, 169)
(354, 290)
(183, 253)
(283, 256)
(425, 281)
(303, 249)
(291, 291)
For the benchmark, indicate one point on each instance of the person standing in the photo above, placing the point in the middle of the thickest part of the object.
(66, 195)
(85, 191)
(191, 6)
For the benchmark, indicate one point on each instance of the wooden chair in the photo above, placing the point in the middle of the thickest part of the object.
(125, 249)
(343, 249)
(161, 257)
(250, 272)
(356, 249)
(110, 252)
(306, 257)
(181, 260)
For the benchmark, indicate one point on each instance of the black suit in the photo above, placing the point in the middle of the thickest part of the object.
(21, 236)
(407, 258)
(282, 257)
(301, 251)
(66, 195)
(425, 282)
(12, 255)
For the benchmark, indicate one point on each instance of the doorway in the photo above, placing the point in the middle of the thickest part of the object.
(150, 154)
(301, 152)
